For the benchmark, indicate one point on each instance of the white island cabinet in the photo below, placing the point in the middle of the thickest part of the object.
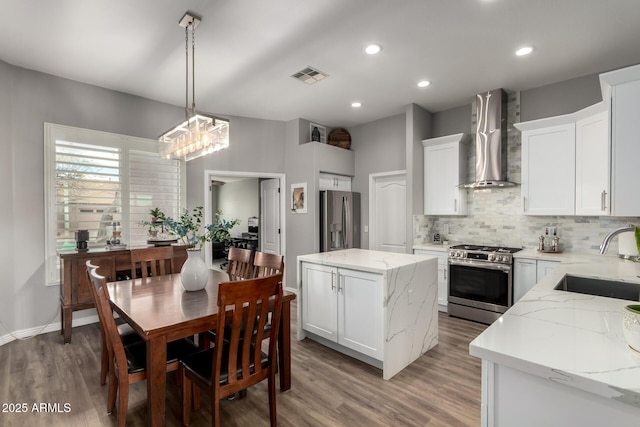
(558, 358)
(378, 307)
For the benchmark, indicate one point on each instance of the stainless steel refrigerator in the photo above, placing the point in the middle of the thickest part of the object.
(339, 220)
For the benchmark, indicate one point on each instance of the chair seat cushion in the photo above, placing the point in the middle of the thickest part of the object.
(137, 353)
(128, 335)
(200, 364)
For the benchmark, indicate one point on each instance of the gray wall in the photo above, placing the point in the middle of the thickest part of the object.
(418, 124)
(560, 98)
(8, 211)
(379, 146)
(256, 146)
(239, 200)
(27, 100)
(452, 121)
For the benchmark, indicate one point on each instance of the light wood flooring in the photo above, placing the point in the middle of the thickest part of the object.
(441, 388)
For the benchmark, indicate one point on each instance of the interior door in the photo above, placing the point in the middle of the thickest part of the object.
(270, 216)
(389, 217)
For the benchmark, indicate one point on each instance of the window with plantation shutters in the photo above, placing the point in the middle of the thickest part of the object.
(96, 181)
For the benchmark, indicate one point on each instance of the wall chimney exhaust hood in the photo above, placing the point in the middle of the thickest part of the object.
(491, 141)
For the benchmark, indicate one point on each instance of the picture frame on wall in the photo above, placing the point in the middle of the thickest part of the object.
(298, 198)
(317, 133)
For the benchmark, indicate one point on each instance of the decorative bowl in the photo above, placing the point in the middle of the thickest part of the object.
(631, 325)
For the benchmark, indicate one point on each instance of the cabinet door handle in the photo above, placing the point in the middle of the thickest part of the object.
(603, 200)
(524, 204)
(455, 205)
(445, 274)
(340, 280)
(333, 278)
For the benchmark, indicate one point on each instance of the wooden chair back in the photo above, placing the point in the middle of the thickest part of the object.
(265, 264)
(239, 264)
(248, 304)
(152, 261)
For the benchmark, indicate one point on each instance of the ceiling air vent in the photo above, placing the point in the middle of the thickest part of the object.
(309, 75)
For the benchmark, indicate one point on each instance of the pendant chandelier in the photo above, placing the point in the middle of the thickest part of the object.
(199, 134)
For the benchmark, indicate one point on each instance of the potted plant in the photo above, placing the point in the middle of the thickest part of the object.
(157, 219)
(220, 233)
(190, 230)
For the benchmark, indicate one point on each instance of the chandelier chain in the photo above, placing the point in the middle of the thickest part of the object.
(186, 72)
(193, 66)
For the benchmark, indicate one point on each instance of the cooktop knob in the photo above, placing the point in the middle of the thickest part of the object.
(492, 257)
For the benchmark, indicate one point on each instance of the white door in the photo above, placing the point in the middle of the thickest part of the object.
(270, 216)
(388, 209)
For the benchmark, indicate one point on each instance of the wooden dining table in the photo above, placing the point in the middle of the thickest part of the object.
(161, 311)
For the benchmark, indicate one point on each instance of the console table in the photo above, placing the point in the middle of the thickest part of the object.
(113, 264)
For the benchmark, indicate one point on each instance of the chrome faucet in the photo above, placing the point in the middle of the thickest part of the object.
(607, 239)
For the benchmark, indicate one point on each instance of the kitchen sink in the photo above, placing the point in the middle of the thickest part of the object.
(600, 287)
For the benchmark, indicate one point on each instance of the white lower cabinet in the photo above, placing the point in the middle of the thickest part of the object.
(528, 272)
(443, 280)
(344, 306)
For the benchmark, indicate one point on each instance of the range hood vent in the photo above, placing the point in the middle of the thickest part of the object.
(491, 141)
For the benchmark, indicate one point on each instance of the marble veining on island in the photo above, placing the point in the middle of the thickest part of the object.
(378, 307)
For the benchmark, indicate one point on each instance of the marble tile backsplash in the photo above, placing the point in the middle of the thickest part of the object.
(494, 217)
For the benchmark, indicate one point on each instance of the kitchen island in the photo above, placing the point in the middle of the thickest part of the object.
(559, 358)
(378, 307)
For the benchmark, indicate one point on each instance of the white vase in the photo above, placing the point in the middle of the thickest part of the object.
(194, 274)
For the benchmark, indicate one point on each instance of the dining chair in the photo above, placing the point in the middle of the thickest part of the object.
(127, 334)
(127, 363)
(265, 264)
(156, 261)
(234, 365)
(239, 264)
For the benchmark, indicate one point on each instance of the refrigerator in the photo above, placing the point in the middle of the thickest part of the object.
(339, 220)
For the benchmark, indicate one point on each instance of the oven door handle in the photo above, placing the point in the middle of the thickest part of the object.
(487, 266)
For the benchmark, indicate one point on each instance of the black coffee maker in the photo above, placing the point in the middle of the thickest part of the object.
(82, 240)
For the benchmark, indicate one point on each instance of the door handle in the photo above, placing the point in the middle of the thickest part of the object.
(524, 204)
(333, 277)
(339, 280)
(455, 205)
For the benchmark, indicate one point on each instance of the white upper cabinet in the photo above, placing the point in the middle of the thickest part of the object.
(566, 164)
(592, 165)
(445, 170)
(328, 181)
(548, 170)
(622, 89)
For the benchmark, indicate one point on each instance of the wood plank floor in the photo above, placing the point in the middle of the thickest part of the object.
(441, 388)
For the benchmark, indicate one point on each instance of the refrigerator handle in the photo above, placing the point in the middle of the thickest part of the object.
(346, 221)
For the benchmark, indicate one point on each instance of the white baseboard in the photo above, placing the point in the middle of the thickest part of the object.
(51, 327)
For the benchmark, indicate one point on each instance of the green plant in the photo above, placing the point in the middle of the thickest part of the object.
(157, 214)
(220, 227)
(190, 230)
(157, 218)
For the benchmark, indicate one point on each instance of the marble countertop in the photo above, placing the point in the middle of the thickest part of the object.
(432, 247)
(569, 338)
(363, 259)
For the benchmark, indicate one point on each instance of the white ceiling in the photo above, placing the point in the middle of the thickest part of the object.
(246, 50)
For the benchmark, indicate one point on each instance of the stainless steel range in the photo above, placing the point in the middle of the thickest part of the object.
(480, 282)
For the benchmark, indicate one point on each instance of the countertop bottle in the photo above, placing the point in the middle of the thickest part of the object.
(541, 243)
(555, 242)
(547, 241)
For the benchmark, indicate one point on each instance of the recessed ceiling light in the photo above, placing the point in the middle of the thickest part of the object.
(526, 50)
(372, 49)
(356, 104)
(424, 83)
